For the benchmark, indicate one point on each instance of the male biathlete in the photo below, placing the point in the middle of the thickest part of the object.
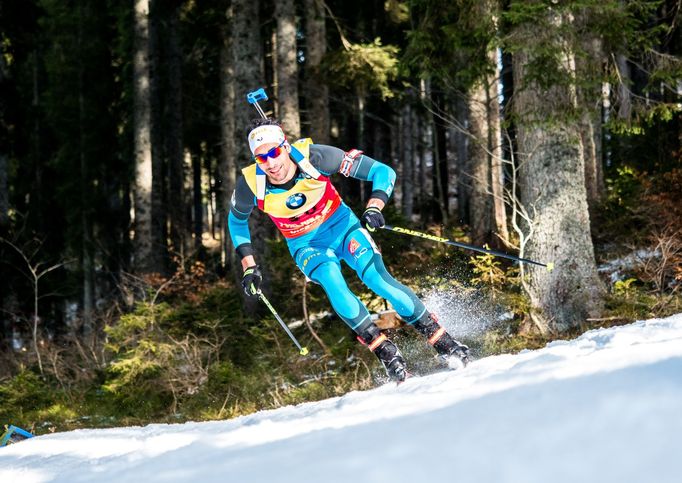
(290, 182)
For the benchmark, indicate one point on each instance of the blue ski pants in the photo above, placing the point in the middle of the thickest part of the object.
(321, 264)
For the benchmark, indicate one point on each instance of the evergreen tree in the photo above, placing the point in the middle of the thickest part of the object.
(551, 166)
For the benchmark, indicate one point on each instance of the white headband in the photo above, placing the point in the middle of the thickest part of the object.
(264, 135)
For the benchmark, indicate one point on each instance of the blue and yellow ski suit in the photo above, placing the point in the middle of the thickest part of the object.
(320, 229)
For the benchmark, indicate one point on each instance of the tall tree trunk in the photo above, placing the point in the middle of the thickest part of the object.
(37, 202)
(287, 68)
(440, 162)
(589, 98)
(395, 147)
(87, 264)
(208, 181)
(495, 148)
(4, 193)
(407, 156)
(174, 140)
(317, 91)
(453, 165)
(461, 141)
(624, 86)
(4, 166)
(480, 154)
(422, 127)
(247, 58)
(143, 251)
(160, 204)
(197, 201)
(552, 186)
(480, 201)
(360, 99)
(227, 168)
(487, 211)
(590, 135)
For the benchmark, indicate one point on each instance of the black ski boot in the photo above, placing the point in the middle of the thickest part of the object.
(445, 345)
(386, 351)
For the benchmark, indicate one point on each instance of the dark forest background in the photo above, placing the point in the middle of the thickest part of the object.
(546, 129)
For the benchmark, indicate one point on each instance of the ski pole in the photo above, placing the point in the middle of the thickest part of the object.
(255, 96)
(406, 231)
(301, 350)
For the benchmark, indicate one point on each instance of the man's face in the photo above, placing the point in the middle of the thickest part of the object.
(279, 168)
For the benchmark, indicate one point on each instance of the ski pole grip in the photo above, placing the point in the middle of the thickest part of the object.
(257, 95)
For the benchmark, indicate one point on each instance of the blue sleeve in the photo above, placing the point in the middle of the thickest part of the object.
(328, 160)
(241, 206)
(382, 177)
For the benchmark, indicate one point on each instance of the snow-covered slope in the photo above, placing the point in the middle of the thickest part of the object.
(606, 407)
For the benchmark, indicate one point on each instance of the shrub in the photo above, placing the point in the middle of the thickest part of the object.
(22, 397)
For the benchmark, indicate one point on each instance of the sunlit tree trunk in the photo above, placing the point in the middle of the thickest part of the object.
(478, 177)
(287, 68)
(499, 224)
(407, 156)
(588, 67)
(317, 92)
(143, 255)
(552, 179)
(208, 187)
(197, 201)
(623, 100)
(590, 134)
(486, 207)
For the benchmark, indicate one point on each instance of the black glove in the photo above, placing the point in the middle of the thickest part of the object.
(372, 218)
(251, 281)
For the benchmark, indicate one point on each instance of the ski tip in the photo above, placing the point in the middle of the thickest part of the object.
(455, 363)
(408, 375)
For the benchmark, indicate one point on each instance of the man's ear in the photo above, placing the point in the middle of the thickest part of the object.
(287, 146)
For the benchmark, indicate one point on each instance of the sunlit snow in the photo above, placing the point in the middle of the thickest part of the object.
(605, 407)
